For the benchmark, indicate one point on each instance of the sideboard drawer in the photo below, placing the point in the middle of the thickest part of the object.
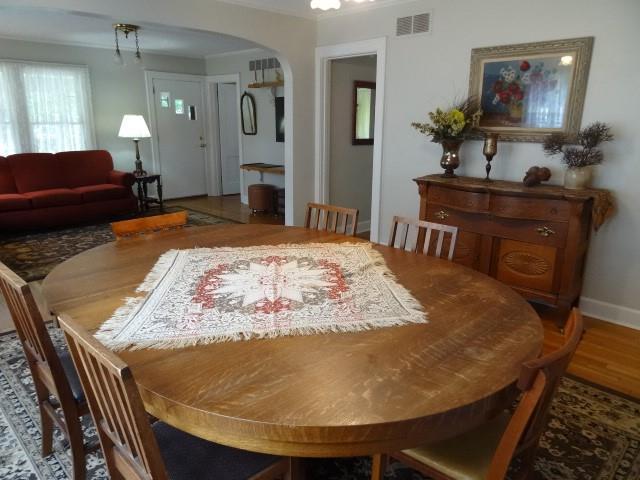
(530, 208)
(469, 201)
(553, 234)
(471, 222)
(538, 232)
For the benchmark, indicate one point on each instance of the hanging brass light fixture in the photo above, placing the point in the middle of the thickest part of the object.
(126, 28)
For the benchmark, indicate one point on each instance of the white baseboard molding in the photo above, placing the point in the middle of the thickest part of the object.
(609, 312)
(364, 226)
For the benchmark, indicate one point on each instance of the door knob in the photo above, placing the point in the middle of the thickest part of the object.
(203, 145)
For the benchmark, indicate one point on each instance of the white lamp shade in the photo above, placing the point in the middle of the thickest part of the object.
(134, 126)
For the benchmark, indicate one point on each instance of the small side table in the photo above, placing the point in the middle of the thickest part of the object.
(143, 196)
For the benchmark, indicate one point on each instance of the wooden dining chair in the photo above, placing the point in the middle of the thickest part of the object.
(486, 452)
(331, 218)
(59, 394)
(402, 229)
(135, 449)
(143, 225)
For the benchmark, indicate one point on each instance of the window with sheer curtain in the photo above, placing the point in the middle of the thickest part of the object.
(44, 108)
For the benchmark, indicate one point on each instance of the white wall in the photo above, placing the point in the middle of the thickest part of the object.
(427, 71)
(263, 146)
(116, 90)
(350, 166)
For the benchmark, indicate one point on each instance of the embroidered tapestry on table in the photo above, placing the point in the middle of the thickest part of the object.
(210, 295)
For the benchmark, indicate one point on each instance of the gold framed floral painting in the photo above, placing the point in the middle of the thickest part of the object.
(530, 90)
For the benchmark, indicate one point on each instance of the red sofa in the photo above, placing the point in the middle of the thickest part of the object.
(41, 190)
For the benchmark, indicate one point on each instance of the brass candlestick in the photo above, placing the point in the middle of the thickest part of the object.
(490, 149)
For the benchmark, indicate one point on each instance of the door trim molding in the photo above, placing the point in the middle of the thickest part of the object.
(214, 160)
(149, 76)
(324, 55)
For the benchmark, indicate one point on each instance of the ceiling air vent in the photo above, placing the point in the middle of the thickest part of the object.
(413, 25)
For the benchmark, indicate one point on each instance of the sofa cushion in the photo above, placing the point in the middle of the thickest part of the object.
(57, 197)
(13, 201)
(7, 185)
(89, 167)
(105, 191)
(36, 171)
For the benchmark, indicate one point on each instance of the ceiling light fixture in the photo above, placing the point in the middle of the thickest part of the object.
(325, 4)
(332, 4)
(126, 28)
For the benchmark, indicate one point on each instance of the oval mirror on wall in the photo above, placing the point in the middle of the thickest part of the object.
(248, 114)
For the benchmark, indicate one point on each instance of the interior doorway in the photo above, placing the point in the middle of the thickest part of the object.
(323, 175)
(226, 152)
(352, 134)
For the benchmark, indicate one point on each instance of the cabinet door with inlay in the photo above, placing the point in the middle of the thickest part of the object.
(526, 265)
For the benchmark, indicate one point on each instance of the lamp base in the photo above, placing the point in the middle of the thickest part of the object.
(139, 172)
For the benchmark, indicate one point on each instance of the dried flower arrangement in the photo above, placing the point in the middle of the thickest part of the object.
(451, 124)
(579, 151)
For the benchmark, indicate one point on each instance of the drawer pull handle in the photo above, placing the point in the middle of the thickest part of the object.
(545, 231)
(442, 214)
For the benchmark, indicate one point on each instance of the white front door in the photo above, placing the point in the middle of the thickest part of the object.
(179, 110)
(229, 143)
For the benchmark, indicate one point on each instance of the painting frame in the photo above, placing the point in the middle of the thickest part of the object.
(574, 86)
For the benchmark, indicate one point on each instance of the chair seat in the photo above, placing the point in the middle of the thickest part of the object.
(72, 376)
(189, 457)
(467, 456)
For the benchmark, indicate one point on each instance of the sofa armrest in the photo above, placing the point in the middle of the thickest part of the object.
(125, 179)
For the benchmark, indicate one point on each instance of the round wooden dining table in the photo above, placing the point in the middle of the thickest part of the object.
(333, 394)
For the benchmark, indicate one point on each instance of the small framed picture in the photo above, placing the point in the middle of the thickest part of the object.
(528, 91)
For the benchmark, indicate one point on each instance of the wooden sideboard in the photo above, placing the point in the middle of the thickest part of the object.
(533, 239)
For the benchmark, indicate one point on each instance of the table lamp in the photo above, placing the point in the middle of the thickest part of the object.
(134, 126)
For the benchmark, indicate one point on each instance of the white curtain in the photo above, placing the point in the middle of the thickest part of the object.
(44, 108)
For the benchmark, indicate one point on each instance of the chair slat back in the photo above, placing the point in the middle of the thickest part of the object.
(144, 225)
(128, 443)
(332, 218)
(539, 380)
(403, 229)
(36, 342)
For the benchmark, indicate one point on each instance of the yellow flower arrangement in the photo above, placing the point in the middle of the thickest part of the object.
(450, 124)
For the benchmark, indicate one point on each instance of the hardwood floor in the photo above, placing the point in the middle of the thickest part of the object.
(609, 354)
(229, 207)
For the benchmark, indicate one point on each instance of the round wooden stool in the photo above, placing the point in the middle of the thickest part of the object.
(261, 197)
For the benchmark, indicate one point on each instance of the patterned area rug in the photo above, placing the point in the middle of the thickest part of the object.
(209, 295)
(592, 434)
(34, 255)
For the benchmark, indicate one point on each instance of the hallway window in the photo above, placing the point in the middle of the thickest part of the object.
(44, 108)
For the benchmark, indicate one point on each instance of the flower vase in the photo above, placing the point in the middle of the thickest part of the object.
(450, 156)
(515, 112)
(578, 178)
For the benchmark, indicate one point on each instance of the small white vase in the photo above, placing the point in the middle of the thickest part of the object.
(578, 178)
